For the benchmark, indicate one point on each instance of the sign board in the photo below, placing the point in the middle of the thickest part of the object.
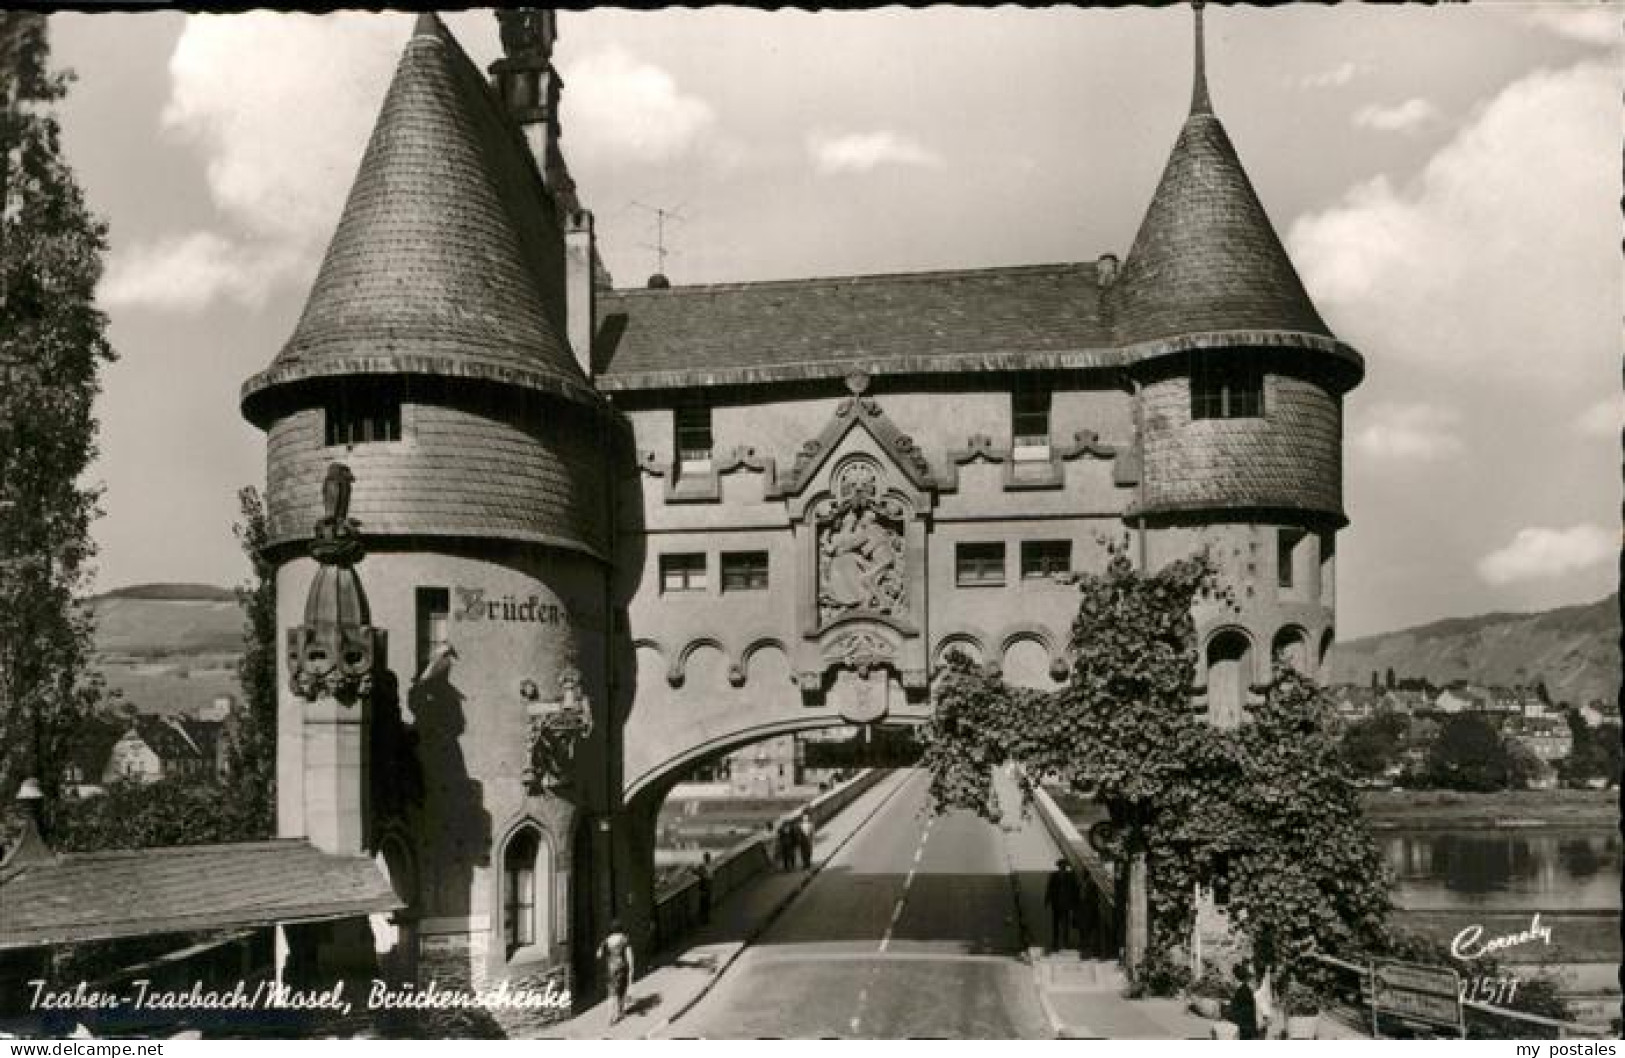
(1427, 995)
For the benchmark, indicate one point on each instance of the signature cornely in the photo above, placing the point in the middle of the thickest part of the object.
(1470, 943)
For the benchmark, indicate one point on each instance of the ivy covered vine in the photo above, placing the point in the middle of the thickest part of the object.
(1265, 809)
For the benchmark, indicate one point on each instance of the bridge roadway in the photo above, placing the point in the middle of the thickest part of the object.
(910, 931)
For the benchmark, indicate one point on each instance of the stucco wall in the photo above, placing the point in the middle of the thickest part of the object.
(470, 728)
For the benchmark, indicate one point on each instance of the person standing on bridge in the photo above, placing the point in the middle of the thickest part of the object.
(804, 840)
(1244, 1004)
(787, 846)
(619, 968)
(703, 872)
(1063, 896)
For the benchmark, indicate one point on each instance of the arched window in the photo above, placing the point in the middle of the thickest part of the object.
(1229, 661)
(526, 883)
(1292, 647)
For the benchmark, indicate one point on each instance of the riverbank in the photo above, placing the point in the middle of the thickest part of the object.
(1502, 809)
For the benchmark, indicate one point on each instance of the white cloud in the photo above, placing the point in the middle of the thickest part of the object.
(1603, 419)
(1338, 75)
(1409, 431)
(185, 273)
(1587, 23)
(1408, 116)
(623, 108)
(861, 152)
(280, 106)
(1537, 552)
(1502, 256)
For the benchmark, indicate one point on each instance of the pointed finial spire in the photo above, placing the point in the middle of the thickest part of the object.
(1200, 103)
(429, 25)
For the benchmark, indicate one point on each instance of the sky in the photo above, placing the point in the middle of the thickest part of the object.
(1447, 179)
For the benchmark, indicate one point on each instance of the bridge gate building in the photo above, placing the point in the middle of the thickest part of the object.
(545, 544)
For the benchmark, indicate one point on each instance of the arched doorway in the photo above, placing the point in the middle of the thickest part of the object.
(1229, 675)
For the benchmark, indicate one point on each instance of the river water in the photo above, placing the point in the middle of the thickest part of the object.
(1530, 869)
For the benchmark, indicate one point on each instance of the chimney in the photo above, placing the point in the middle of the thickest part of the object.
(580, 286)
(526, 83)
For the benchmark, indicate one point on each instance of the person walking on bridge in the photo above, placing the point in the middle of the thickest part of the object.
(1063, 896)
(619, 968)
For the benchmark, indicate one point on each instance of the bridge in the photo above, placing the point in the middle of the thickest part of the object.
(911, 925)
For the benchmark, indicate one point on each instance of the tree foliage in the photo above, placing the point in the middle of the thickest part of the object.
(251, 766)
(52, 348)
(1266, 809)
(1596, 750)
(1468, 754)
(170, 811)
(1370, 746)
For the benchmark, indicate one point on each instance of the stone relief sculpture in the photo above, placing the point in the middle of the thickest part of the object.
(860, 548)
(332, 653)
(554, 729)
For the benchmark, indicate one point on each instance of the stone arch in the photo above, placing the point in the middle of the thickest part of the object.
(966, 641)
(656, 780)
(1326, 639)
(1291, 645)
(1228, 661)
(677, 673)
(525, 903)
(1026, 657)
(774, 656)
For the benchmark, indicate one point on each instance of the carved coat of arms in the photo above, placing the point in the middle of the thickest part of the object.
(861, 557)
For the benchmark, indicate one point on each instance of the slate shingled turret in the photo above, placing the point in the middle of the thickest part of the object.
(443, 289)
(1206, 261)
(1239, 385)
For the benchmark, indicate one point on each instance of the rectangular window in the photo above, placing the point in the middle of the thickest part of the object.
(684, 572)
(1042, 559)
(693, 436)
(1227, 386)
(363, 416)
(434, 623)
(744, 571)
(1286, 550)
(1029, 421)
(977, 565)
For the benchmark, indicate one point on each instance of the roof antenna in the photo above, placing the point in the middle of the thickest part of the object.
(1200, 103)
(661, 214)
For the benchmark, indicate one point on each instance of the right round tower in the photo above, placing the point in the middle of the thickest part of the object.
(1239, 386)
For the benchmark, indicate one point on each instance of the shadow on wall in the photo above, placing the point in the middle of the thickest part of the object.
(396, 775)
(455, 828)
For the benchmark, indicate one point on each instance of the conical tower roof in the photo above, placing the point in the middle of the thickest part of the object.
(1206, 260)
(447, 259)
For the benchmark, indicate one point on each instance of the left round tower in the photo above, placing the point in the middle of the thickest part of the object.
(431, 365)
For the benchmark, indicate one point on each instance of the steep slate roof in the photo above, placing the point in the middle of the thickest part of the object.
(1032, 316)
(447, 252)
(1206, 258)
(102, 895)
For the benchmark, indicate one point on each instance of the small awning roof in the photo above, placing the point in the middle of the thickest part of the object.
(105, 895)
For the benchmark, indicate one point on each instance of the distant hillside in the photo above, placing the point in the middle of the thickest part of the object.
(169, 647)
(167, 625)
(171, 593)
(1575, 649)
